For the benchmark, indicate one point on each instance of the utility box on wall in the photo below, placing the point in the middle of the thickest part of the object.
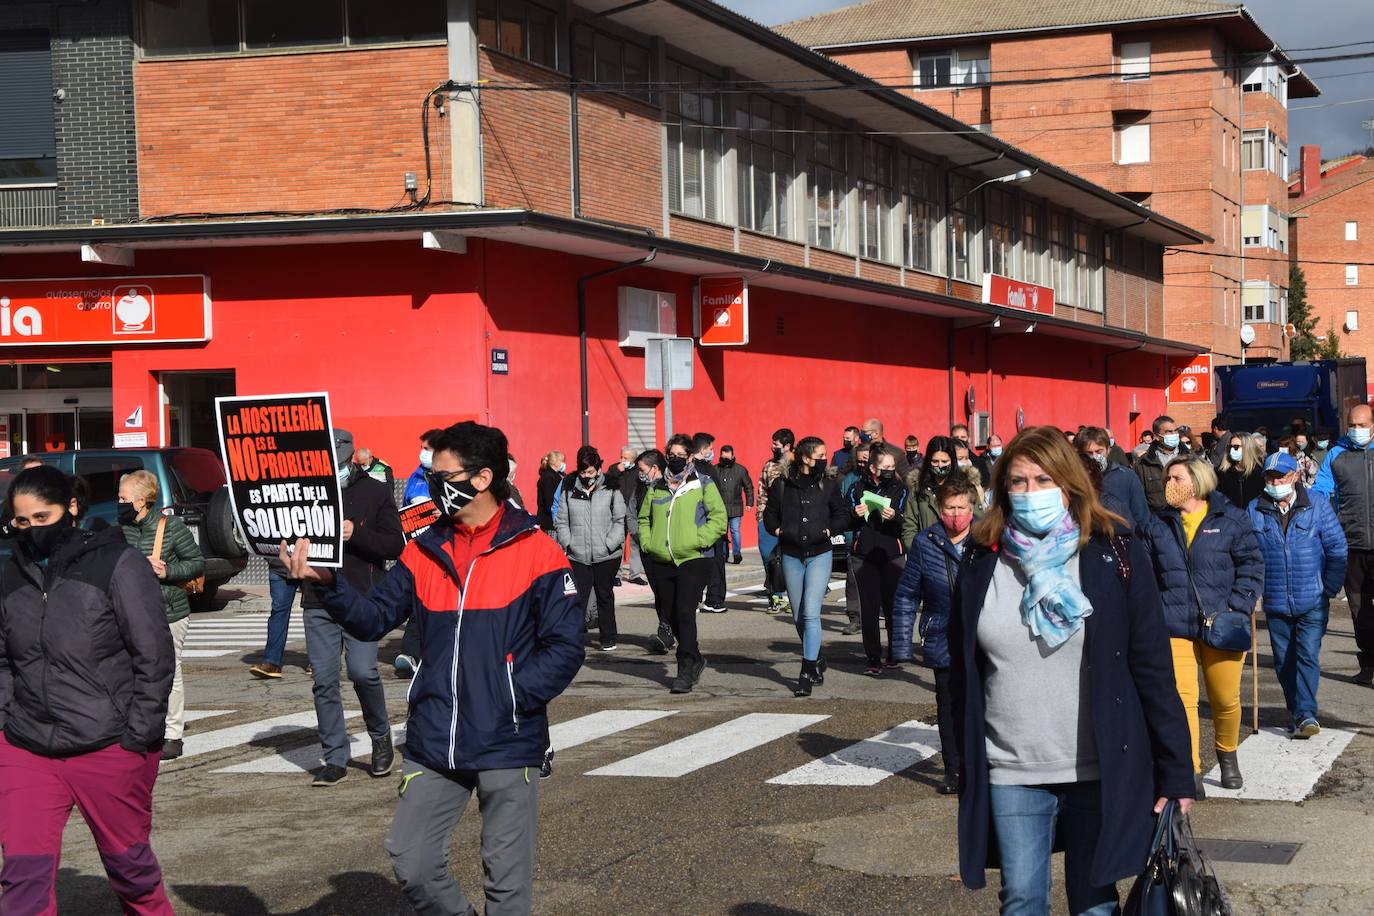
(646, 314)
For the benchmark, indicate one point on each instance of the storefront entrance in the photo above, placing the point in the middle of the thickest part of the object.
(54, 407)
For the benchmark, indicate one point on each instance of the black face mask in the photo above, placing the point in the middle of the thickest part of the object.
(887, 476)
(939, 471)
(450, 497)
(126, 513)
(820, 466)
(41, 540)
(777, 454)
(913, 457)
(727, 462)
(676, 464)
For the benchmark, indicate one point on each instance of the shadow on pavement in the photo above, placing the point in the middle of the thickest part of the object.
(352, 892)
(764, 909)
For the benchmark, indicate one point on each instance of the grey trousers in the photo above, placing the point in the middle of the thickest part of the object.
(325, 640)
(633, 566)
(851, 588)
(430, 807)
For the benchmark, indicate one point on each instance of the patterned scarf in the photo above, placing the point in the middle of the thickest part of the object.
(1053, 606)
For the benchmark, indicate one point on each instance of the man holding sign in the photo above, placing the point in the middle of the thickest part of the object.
(501, 635)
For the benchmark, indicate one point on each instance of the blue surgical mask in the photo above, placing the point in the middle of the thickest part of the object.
(1170, 441)
(1360, 435)
(345, 474)
(1279, 491)
(426, 458)
(995, 451)
(1237, 454)
(1111, 441)
(1323, 444)
(1037, 511)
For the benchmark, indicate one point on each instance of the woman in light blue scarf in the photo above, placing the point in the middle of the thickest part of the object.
(1069, 723)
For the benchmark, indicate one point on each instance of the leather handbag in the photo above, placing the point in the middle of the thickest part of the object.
(1227, 630)
(774, 580)
(191, 586)
(1177, 881)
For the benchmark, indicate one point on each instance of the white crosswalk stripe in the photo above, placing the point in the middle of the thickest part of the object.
(213, 637)
(711, 746)
(598, 725)
(868, 762)
(221, 738)
(303, 759)
(1279, 768)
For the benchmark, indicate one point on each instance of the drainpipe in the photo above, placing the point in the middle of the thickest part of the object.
(1107, 380)
(582, 330)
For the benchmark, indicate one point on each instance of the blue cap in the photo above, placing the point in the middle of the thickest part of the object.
(1281, 463)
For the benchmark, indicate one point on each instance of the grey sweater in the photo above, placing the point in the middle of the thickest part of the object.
(1039, 726)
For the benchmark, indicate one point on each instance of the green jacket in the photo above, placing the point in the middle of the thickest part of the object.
(675, 527)
(180, 552)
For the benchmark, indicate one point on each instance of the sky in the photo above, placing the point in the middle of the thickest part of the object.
(1291, 23)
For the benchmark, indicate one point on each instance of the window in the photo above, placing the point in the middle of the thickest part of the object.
(765, 164)
(964, 217)
(1259, 302)
(28, 144)
(1265, 75)
(612, 62)
(1352, 231)
(829, 191)
(921, 233)
(519, 29)
(1261, 148)
(1088, 266)
(695, 142)
(874, 201)
(1062, 260)
(1352, 275)
(102, 475)
(1132, 134)
(1001, 233)
(1252, 149)
(1135, 60)
(944, 68)
(1033, 250)
(235, 26)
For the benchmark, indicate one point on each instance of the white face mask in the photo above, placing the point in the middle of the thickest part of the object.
(426, 458)
(1237, 454)
(1360, 435)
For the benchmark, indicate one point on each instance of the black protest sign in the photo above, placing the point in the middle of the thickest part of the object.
(279, 452)
(417, 517)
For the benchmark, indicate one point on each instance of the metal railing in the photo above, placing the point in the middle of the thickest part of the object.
(28, 205)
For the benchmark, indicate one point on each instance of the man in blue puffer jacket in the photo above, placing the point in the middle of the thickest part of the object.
(928, 578)
(1304, 564)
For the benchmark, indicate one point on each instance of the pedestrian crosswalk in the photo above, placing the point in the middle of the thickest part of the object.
(1276, 768)
(210, 637)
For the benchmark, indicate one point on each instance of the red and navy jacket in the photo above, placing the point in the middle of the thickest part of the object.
(499, 640)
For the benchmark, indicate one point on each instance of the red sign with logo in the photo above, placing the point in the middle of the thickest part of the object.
(722, 311)
(1190, 380)
(108, 310)
(1016, 294)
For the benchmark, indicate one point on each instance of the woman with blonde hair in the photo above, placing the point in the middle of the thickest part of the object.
(1240, 476)
(1070, 728)
(176, 560)
(1207, 563)
(551, 469)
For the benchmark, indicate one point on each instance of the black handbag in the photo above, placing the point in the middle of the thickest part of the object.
(1227, 630)
(1177, 881)
(774, 581)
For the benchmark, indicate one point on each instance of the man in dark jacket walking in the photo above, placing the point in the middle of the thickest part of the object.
(1344, 479)
(713, 602)
(486, 583)
(737, 490)
(372, 535)
(1150, 467)
(624, 476)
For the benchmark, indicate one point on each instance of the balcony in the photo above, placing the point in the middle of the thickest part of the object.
(28, 205)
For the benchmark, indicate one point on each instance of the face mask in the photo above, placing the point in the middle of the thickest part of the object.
(676, 464)
(126, 513)
(1301, 446)
(41, 540)
(995, 451)
(512, 471)
(643, 478)
(939, 470)
(956, 524)
(965, 462)
(1279, 491)
(1237, 454)
(865, 438)
(820, 466)
(1038, 511)
(1360, 435)
(1101, 461)
(562, 468)
(887, 476)
(345, 475)
(913, 457)
(1170, 441)
(450, 497)
(1111, 442)
(625, 465)
(1177, 493)
(426, 458)
(777, 454)
(586, 483)
(727, 462)
(1323, 444)
(710, 453)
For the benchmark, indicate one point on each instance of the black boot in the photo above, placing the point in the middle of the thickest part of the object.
(1230, 770)
(1197, 784)
(805, 679)
(820, 670)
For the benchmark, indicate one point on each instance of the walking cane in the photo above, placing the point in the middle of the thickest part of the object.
(1254, 674)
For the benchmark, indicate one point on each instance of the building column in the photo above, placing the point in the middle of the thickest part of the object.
(465, 124)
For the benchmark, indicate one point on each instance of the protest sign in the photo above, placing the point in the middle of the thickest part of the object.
(279, 452)
(417, 517)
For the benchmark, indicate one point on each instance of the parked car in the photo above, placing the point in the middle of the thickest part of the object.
(191, 485)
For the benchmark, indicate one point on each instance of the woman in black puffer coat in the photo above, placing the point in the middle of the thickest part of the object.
(878, 542)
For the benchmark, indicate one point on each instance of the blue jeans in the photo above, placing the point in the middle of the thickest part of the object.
(806, 584)
(324, 641)
(766, 544)
(1024, 819)
(1297, 645)
(283, 596)
(734, 537)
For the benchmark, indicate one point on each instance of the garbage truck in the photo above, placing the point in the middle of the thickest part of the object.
(1273, 395)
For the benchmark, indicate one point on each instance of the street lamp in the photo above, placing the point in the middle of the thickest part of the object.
(1018, 177)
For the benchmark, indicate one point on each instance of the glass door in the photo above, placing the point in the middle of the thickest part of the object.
(49, 431)
(95, 427)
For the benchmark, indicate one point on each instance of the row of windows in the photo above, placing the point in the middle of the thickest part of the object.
(235, 26)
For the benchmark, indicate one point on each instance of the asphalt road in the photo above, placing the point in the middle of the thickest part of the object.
(718, 839)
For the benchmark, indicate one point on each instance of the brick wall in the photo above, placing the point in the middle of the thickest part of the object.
(621, 144)
(526, 139)
(1320, 236)
(308, 131)
(92, 62)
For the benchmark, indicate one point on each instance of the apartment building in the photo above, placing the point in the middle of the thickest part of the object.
(1179, 105)
(492, 209)
(1331, 207)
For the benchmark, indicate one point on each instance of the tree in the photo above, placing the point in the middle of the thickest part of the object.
(1330, 346)
(1305, 343)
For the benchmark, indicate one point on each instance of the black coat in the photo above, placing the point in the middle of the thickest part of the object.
(1240, 488)
(875, 537)
(377, 536)
(736, 489)
(808, 510)
(86, 659)
(1142, 737)
(549, 479)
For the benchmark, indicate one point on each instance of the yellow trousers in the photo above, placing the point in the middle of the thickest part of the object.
(1221, 670)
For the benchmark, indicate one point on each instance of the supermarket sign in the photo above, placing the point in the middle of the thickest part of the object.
(110, 311)
(1017, 294)
(1190, 380)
